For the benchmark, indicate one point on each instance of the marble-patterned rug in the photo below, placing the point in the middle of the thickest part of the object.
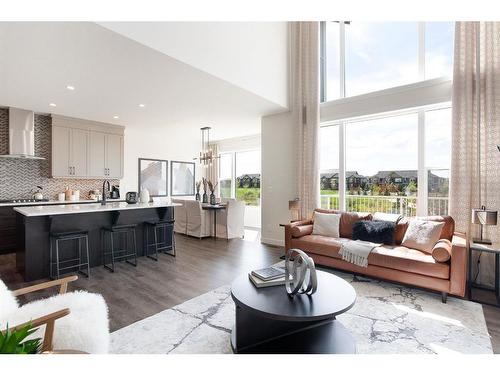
(386, 318)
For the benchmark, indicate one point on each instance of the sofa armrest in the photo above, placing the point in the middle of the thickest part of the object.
(458, 264)
(288, 231)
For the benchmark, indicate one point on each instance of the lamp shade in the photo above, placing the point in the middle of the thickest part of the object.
(483, 216)
(294, 204)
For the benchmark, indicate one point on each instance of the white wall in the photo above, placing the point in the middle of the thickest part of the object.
(279, 175)
(167, 142)
(251, 55)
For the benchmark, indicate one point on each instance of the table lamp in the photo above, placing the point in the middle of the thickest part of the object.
(482, 216)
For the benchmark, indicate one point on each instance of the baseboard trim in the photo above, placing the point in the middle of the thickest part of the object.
(272, 241)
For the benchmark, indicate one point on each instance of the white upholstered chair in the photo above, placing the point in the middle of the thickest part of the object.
(231, 221)
(180, 217)
(198, 220)
(76, 320)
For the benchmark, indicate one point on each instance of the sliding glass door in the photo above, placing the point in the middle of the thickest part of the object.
(239, 178)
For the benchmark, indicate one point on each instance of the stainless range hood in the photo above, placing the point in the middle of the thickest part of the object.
(21, 134)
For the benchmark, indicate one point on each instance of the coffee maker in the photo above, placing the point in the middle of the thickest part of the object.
(115, 192)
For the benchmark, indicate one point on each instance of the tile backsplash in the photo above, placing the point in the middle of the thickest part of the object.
(18, 177)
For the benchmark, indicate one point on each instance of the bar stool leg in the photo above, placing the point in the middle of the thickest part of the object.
(51, 260)
(112, 268)
(87, 253)
(135, 247)
(57, 258)
(79, 254)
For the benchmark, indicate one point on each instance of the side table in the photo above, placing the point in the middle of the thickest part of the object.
(482, 248)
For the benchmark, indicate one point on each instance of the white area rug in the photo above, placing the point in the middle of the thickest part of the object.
(386, 318)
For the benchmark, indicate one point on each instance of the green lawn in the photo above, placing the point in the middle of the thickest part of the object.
(251, 196)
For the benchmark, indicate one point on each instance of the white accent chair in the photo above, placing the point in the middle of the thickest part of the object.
(198, 220)
(231, 221)
(180, 217)
(75, 321)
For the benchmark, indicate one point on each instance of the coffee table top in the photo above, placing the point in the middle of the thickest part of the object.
(333, 297)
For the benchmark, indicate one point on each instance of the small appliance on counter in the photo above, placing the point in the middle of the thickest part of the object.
(131, 197)
(144, 196)
(95, 195)
(115, 192)
(37, 195)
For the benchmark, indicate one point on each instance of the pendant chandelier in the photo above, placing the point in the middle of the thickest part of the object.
(207, 156)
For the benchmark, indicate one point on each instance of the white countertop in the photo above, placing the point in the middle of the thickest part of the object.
(65, 209)
(44, 203)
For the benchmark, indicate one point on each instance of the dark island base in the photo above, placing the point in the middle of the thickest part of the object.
(254, 334)
(32, 248)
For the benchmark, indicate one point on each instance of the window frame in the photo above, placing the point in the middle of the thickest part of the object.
(417, 97)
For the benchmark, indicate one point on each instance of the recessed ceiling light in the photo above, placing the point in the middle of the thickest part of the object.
(52, 104)
(141, 105)
(71, 88)
(115, 117)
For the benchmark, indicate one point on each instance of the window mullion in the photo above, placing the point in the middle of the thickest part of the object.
(342, 130)
(421, 50)
(422, 187)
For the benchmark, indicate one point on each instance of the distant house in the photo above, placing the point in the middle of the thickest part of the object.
(248, 181)
(330, 180)
(400, 178)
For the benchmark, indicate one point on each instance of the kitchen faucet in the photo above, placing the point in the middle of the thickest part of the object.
(104, 192)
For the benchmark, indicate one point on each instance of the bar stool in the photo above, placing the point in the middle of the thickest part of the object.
(159, 245)
(61, 264)
(119, 254)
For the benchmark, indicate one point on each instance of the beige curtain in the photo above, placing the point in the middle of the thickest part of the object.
(475, 169)
(212, 171)
(305, 96)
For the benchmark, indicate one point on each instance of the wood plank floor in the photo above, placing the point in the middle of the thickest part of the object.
(133, 293)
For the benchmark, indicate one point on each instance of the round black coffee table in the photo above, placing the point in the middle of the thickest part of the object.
(268, 321)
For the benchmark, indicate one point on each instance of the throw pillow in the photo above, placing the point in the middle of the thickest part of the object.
(374, 231)
(422, 235)
(441, 252)
(326, 224)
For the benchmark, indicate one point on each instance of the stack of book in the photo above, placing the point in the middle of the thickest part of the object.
(270, 276)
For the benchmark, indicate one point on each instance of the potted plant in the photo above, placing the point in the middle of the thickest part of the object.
(14, 341)
(198, 186)
(212, 188)
(205, 197)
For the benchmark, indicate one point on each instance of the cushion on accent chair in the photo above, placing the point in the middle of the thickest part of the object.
(374, 231)
(422, 235)
(326, 224)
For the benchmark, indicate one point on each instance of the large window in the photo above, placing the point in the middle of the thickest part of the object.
(362, 57)
(389, 151)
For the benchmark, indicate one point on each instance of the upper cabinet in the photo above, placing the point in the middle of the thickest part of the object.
(86, 149)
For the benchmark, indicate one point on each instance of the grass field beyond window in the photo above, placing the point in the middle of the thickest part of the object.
(251, 196)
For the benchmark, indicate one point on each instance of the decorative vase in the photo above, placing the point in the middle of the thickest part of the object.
(205, 198)
(197, 196)
(212, 199)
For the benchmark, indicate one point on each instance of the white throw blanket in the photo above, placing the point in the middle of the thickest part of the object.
(357, 252)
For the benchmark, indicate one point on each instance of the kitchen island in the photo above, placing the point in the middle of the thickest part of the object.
(35, 223)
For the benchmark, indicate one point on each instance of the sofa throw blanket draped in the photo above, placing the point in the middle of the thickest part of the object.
(357, 252)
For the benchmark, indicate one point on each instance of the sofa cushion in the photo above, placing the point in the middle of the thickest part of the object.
(301, 230)
(347, 220)
(441, 252)
(392, 257)
(374, 231)
(408, 260)
(422, 235)
(321, 245)
(326, 224)
(446, 232)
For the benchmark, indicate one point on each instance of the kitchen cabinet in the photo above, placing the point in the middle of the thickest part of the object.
(106, 155)
(69, 152)
(86, 149)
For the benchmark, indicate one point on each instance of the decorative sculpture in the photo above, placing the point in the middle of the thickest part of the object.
(302, 278)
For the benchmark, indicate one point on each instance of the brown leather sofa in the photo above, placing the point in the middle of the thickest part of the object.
(445, 270)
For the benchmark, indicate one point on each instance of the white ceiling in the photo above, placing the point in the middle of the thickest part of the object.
(112, 75)
(251, 55)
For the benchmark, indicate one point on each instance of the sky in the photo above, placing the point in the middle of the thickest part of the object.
(378, 56)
